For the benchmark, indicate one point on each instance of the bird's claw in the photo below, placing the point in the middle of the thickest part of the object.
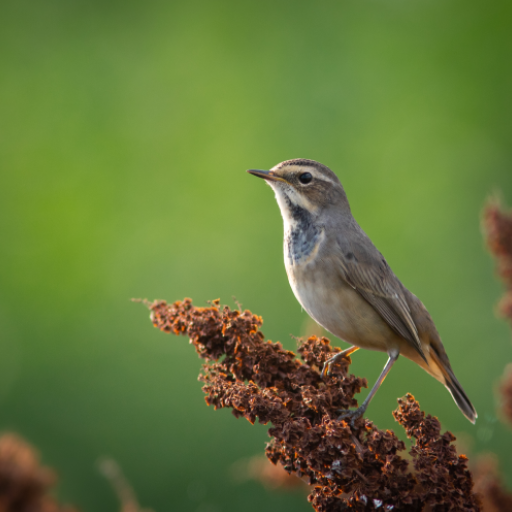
(352, 416)
(326, 370)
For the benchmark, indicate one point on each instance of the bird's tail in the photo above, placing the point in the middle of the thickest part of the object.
(454, 387)
(461, 399)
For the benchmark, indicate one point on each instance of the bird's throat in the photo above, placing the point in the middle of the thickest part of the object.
(301, 233)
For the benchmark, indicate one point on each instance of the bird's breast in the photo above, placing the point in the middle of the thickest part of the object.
(331, 302)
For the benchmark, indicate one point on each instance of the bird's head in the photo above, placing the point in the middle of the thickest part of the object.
(306, 185)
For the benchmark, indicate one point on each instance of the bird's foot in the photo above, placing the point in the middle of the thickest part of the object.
(352, 416)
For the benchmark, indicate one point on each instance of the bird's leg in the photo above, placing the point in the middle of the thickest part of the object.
(353, 415)
(340, 355)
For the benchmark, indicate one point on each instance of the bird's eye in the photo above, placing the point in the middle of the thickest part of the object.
(305, 178)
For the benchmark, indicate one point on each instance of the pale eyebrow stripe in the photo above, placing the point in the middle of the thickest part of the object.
(320, 177)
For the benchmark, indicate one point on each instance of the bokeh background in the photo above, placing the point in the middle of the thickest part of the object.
(125, 132)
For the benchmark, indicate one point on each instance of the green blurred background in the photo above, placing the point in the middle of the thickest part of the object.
(125, 132)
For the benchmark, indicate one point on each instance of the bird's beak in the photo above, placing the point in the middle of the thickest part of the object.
(266, 175)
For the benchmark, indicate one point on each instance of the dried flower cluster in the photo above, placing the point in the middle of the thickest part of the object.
(355, 467)
(25, 485)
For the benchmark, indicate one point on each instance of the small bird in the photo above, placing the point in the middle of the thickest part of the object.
(345, 284)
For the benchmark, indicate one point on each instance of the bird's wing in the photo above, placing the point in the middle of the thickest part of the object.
(365, 269)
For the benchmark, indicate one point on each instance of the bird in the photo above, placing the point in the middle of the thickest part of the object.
(345, 284)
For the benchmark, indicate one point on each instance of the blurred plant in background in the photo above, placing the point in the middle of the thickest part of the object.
(125, 132)
(126, 495)
(497, 224)
(25, 485)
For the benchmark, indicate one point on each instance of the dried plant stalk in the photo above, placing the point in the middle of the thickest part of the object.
(125, 493)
